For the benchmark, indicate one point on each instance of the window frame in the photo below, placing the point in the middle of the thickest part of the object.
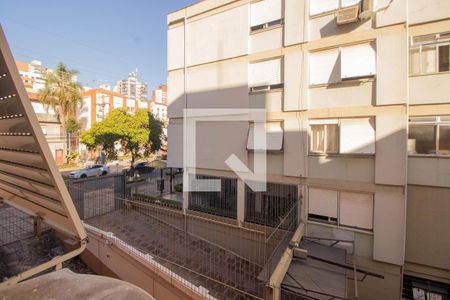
(339, 58)
(337, 223)
(273, 24)
(437, 123)
(338, 123)
(419, 45)
(268, 87)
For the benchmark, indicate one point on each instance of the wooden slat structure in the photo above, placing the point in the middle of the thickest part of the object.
(29, 178)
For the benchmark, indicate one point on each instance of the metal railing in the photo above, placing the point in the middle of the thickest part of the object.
(228, 260)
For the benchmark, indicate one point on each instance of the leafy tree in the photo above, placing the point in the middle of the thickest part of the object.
(63, 94)
(137, 134)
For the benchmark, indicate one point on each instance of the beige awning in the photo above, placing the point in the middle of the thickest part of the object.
(29, 178)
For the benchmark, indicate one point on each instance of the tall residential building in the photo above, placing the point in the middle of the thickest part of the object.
(132, 87)
(159, 94)
(357, 96)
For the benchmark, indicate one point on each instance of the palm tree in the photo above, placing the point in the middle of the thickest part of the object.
(62, 93)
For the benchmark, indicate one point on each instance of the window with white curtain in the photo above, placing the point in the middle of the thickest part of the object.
(357, 136)
(342, 136)
(324, 67)
(265, 75)
(358, 61)
(264, 14)
(274, 137)
(323, 205)
(342, 208)
(345, 63)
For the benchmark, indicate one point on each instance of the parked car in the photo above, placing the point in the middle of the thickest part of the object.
(139, 168)
(91, 171)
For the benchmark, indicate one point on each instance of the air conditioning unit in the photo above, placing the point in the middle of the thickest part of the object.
(367, 9)
(348, 15)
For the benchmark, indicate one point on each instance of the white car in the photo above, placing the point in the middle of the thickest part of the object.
(91, 171)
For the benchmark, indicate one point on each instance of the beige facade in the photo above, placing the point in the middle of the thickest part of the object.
(365, 110)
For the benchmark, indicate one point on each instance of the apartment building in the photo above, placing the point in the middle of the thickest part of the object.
(32, 75)
(357, 96)
(160, 94)
(98, 102)
(132, 87)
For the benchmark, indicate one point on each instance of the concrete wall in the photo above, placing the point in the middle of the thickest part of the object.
(266, 40)
(295, 147)
(345, 94)
(218, 36)
(217, 141)
(390, 147)
(389, 227)
(392, 69)
(325, 26)
(175, 95)
(429, 89)
(294, 25)
(294, 80)
(421, 11)
(391, 13)
(428, 226)
(431, 171)
(218, 85)
(342, 167)
(272, 101)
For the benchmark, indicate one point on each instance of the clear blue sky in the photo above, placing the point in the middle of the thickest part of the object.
(103, 39)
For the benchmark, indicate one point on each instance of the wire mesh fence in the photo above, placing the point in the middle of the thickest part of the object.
(229, 260)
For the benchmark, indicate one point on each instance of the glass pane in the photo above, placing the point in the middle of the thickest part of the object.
(428, 59)
(422, 139)
(414, 61)
(444, 54)
(444, 140)
(332, 138)
(318, 138)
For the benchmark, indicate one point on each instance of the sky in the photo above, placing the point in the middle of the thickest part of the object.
(103, 39)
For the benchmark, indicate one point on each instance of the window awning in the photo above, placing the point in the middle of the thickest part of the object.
(314, 277)
(274, 137)
(29, 178)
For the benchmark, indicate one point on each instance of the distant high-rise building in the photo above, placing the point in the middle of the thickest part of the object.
(32, 75)
(132, 88)
(159, 95)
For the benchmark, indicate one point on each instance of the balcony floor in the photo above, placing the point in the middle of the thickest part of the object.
(200, 262)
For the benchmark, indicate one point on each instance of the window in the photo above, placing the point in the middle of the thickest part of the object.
(265, 75)
(265, 14)
(358, 61)
(324, 67)
(356, 210)
(317, 7)
(340, 64)
(429, 135)
(342, 208)
(274, 137)
(429, 54)
(324, 137)
(344, 136)
(323, 205)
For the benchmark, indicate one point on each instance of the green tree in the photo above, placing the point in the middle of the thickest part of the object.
(63, 94)
(138, 134)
